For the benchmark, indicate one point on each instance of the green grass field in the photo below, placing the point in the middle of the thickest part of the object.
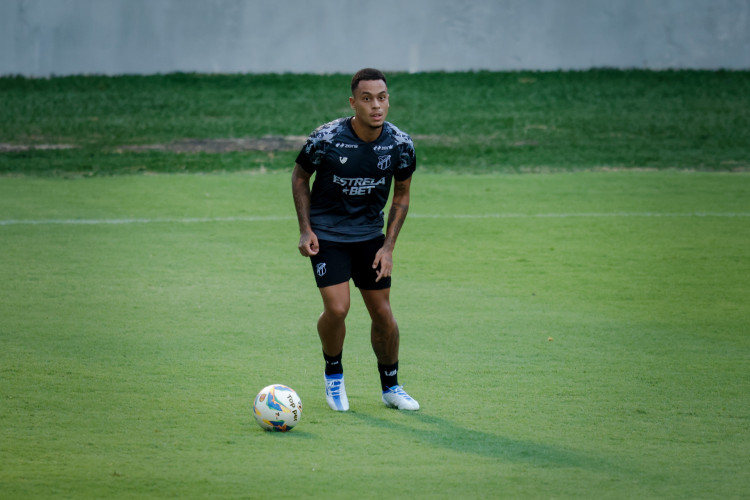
(142, 313)
(579, 332)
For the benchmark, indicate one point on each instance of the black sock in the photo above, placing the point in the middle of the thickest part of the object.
(333, 364)
(388, 375)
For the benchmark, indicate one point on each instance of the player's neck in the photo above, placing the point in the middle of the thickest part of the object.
(367, 134)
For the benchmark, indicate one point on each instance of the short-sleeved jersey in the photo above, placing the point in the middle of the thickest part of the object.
(353, 178)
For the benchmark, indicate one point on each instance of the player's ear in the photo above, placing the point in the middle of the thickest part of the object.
(351, 101)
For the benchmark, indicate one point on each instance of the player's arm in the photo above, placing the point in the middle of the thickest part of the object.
(308, 241)
(396, 217)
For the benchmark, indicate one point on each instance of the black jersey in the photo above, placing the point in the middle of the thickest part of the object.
(353, 178)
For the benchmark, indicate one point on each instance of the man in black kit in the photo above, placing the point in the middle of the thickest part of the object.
(355, 160)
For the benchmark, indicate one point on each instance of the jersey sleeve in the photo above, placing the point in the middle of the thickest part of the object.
(313, 152)
(407, 159)
(309, 156)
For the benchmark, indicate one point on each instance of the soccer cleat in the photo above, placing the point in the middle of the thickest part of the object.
(336, 392)
(396, 397)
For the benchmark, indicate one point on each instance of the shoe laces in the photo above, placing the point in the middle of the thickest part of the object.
(399, 391)
(333, 387)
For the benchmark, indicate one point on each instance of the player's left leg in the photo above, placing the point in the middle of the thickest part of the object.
(385, 338)
(384, 333)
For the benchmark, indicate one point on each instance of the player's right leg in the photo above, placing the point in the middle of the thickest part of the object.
(332, 332)
(332, 272)
(332, 322)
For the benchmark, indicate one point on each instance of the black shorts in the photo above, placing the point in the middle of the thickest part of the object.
(338, 262)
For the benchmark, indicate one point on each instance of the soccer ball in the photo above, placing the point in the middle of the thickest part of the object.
(277, 408)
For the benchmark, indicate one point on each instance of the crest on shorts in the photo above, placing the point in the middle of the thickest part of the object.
(384, 162)
(320, 269)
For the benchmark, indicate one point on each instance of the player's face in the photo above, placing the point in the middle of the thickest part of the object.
(370, 103)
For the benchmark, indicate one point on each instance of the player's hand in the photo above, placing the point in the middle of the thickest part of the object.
(308, 244)
(384, 259)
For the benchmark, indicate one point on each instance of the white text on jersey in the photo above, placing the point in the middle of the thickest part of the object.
(355, 186)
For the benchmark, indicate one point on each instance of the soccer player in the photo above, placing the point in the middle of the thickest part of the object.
(355, 160)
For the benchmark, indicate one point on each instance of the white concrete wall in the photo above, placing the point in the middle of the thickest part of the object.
(61, 37)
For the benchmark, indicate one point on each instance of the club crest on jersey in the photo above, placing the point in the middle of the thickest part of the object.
(384, 162)
(321, 269)
(343, 159)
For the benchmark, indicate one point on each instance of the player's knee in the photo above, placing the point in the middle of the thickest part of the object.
(383, 316)
(337, 310)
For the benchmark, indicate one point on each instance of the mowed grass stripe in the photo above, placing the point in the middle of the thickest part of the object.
(192, 220)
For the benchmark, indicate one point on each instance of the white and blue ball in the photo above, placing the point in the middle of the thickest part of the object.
(277, 408)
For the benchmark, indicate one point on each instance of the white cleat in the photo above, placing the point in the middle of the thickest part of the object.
(396, 397)
(336, 393)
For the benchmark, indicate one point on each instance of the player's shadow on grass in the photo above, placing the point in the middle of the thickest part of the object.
(443, 433)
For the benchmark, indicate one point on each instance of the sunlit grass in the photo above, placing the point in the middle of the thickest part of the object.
(567, 335)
